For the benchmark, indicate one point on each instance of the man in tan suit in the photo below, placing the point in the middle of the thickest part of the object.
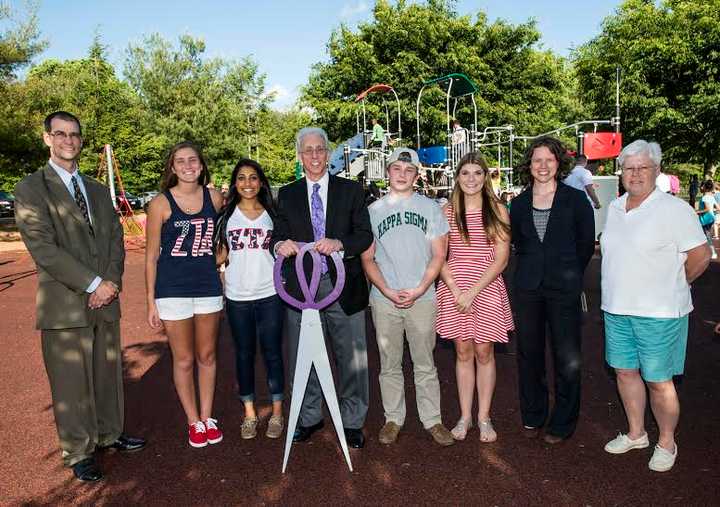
(70, 228)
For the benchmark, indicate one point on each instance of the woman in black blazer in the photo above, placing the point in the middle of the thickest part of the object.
(553, 232)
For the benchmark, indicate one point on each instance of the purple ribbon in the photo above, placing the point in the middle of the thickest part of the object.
(310, 292)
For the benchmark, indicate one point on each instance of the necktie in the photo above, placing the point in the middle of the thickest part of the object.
(82, 203)
(317, 216)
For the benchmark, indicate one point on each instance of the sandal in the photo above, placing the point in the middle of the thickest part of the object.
(459, 432)
(487, 432)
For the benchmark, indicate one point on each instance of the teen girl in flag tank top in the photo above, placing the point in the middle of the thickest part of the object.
(184, 293)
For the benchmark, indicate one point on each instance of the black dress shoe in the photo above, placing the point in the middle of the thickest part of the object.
(355, 438)
(126, 444)
(303, 433)
(87, 470)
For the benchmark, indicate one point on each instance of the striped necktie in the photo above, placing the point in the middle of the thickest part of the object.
(82, 203)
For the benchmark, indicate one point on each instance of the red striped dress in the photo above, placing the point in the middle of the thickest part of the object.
(490, 318)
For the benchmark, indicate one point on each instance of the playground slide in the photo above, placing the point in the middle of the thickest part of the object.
(337, 160)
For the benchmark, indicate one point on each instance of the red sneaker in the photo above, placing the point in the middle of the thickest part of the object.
(197, 435)
(214, 435)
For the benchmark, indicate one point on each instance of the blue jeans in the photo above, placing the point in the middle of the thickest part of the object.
(250, 322)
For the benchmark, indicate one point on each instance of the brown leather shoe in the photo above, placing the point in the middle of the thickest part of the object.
(389, 433)
(553, 439)
(441, 435)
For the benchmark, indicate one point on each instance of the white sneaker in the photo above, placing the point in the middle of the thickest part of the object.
(662, 460)
(622, 444)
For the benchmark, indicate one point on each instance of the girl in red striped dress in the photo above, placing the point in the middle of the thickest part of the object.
(473, 306)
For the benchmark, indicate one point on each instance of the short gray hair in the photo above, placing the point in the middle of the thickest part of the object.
(641, 147)
(307, 131)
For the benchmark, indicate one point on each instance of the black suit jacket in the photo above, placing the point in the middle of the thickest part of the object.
(346, 219)
(559, 261)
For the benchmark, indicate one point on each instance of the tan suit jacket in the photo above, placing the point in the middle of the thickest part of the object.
(67, 256)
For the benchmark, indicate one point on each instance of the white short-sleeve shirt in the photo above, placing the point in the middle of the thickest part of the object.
(579, 178)
(643, 256)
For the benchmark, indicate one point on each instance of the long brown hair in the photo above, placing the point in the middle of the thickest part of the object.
(495, 227)
(169, 178)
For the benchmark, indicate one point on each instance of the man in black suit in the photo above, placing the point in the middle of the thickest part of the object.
(330, 211)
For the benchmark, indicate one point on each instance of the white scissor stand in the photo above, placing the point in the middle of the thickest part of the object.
(312, 351)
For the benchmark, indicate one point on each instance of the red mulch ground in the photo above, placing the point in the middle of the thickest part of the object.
(513, 471)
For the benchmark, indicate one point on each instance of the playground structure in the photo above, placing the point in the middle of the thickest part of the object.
(109, 173)
(358, 159)
(356, 156)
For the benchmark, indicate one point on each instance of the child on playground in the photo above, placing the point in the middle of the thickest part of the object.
(403, 262)
(184, 293)
(254, 310)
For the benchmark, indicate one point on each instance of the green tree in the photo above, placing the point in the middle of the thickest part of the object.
(187, 97)
(19, 43)
(407, 43)
(670, 63)
(109, 110)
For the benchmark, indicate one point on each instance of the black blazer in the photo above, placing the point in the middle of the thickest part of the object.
(557, 263)
(347, 219)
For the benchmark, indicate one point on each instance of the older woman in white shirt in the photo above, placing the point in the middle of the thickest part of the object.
(652, 248)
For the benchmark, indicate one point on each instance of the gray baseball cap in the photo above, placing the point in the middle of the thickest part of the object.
(404, 155)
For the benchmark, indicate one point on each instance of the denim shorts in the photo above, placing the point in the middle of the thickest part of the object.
(655, 346)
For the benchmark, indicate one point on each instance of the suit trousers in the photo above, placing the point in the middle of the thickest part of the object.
(345, 335)
(84, 367)
(561, 311)
(392, 326)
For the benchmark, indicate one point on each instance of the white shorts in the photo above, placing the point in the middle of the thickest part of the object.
(184, 308)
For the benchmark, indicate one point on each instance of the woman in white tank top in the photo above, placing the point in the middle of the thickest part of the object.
(254, 310)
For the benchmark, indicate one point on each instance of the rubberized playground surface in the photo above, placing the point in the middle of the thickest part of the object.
(512, 471)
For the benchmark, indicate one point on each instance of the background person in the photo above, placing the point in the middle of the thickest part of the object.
(253, 308)
(378, 134)
(582, 179)
(402, 264)
(473, 306)
(70, 228)
(184, 294)
(553, 232)
(652, 249)
(707, 209)
(331, 212)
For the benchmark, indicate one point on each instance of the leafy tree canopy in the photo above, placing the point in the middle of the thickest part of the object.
(407, 43)
(669, 57)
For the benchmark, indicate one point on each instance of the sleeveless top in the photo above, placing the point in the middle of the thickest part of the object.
(186, 266)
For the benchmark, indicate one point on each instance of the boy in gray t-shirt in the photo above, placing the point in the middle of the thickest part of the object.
(403, 262)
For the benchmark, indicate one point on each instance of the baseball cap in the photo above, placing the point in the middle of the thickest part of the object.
(404, 155)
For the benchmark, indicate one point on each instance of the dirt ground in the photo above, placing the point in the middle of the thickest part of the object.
(512, 471)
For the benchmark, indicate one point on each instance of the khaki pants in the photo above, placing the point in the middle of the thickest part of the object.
(418, 324)
(84, 367)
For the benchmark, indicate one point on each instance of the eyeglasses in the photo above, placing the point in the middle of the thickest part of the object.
(59, 134)
(643, 169)
(316, 151)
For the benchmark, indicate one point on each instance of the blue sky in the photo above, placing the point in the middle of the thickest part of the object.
(284, 37)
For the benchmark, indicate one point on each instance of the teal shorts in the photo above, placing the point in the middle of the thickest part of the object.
(654, 346)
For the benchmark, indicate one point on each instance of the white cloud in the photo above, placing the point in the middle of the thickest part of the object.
(349, 10)
(282, 97)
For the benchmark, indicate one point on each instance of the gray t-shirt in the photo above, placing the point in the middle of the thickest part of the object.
(403, 229)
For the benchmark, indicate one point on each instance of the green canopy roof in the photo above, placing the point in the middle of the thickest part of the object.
(461, 84)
